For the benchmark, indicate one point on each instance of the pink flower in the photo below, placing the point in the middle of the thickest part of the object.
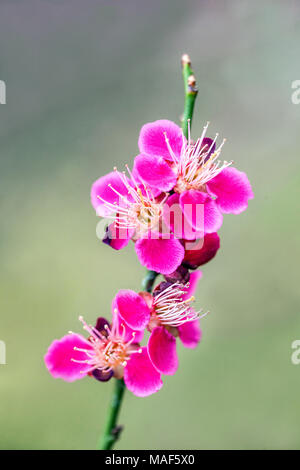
(166, 314)
(108, 351)
(136, 215)
(169, 162)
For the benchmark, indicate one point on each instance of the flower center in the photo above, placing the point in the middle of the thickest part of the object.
(198, 162)
(109, 349)
(139, 211)
(170, 310)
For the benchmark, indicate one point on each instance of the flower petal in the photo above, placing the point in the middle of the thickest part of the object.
(162, 351)
(101, 375)
(190, 333)
(175, 220)
(193, 283)
(125, 329)
(101, 189)
(201, 211)
(58, 358)
(233, 190)
(140, 377)
(132, 308)
(152, 140)
(160, 255)
(200, 251)
(117, 237)
(138, 182)
(155, 172)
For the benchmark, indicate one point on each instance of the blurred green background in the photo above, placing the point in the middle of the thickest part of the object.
(82, 78)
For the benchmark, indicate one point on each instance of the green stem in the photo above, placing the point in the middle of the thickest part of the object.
(112, 431)
(190, 93)
(148, 281)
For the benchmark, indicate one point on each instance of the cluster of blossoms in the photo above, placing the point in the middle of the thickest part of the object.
(114, 350)
(173, 201)
(171, 206)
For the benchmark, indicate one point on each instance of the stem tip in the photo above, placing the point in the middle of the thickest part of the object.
(185, 60)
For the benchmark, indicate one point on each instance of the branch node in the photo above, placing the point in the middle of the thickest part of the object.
(191, 81)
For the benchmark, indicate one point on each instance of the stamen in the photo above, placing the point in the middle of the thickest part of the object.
(105, 352)
(174, 158)
(141, 196)
(196, 166)
(189, 131)
(171, 309)
(140, 212)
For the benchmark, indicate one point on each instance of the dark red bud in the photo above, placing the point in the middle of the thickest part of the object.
(200, 251)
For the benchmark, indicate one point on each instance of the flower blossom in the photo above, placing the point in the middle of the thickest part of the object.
(136, 214)
(109, 351)
(166, 314)
(195, 175)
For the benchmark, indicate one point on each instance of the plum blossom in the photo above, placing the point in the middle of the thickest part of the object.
(194, 173)
(109, 351)
(166, 314)
(136, 214)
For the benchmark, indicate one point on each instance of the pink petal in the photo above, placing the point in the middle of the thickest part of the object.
(117, 237)
(132, 308)
(200, 251)
(152, 139)
(155, 172)
(140, 377)
(162, 255)
(176, 221)
(139, 182)
(201, 211)
(59, 357)
(190, 333)
(232, 189)
(125, 329)
(162, 351)
(193, 283)
(101, 188)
